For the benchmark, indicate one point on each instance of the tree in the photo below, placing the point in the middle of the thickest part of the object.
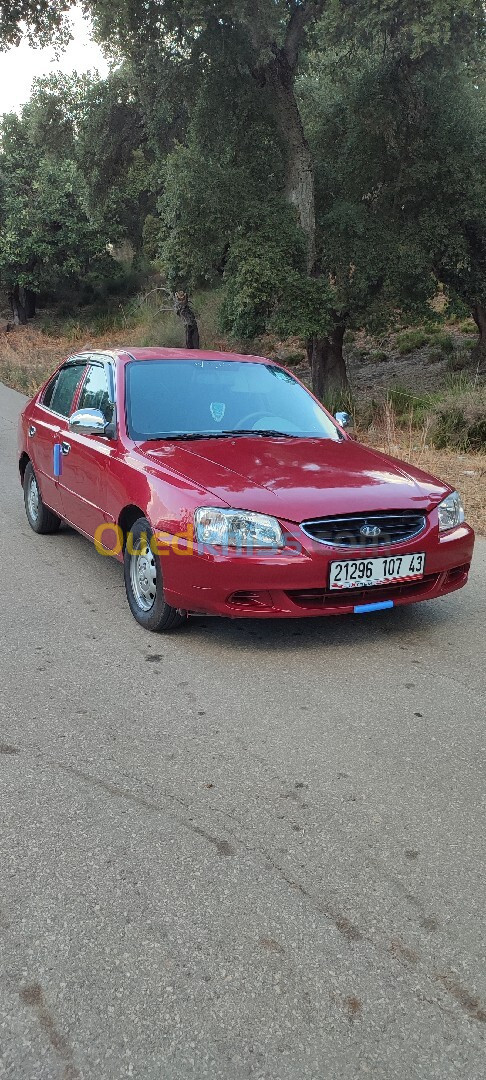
(414, 96)
(274, 32)
(458, 221)
(349, 234)
(47, 235)
(39, 20)
(401, 184)
(114, 157)
(276, 35)
(229, 163)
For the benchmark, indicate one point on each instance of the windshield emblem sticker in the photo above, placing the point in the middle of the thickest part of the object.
(218, 409)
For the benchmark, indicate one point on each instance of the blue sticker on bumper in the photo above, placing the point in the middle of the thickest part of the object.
(57, 459)
(363, 609)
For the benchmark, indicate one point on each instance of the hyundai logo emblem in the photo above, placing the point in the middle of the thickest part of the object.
(370, 531)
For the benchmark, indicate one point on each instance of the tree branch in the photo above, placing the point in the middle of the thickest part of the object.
(304, 12)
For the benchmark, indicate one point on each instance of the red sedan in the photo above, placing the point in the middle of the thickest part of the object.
(226, 488)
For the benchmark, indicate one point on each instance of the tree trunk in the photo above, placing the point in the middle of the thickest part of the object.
(479, 351)
(30, 303)
(328, 367)
(18, 310)
(185, 312)
(300, 173)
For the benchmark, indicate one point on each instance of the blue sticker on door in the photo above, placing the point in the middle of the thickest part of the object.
(57, 459)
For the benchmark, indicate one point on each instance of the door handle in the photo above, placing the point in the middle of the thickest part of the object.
(32, 430)
(65, 447)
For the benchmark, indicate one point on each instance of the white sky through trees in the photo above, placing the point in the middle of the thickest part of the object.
(21, 65)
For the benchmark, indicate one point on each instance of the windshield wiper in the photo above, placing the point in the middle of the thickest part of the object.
(260, 431)
(187, 435)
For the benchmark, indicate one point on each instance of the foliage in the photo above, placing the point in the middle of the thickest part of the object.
(113, 154)
(59, 208)
(267, 284)
(411, 28)
(46, 232)
(393, 143)
(409, 340)
(407, 406)
(41, 20)
(230, 163)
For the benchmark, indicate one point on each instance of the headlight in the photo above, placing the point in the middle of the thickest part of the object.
(236, 529)
(451, 512)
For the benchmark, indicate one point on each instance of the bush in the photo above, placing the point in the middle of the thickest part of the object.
(408, 406)
(468, 326)
(435, 356)
(444, 341)
(459, 361)
(460, 422)
(409, 340)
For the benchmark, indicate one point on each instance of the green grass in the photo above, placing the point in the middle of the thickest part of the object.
(460, 422)
(409, 340)
(461, 382)
(409, 407)
(467, 326)
(444, 342)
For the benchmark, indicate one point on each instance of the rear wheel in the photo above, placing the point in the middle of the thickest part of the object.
(144, 585)
(40, 518)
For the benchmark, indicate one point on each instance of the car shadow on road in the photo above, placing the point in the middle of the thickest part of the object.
(326, 632)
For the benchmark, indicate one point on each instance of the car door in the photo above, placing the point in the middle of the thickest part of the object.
(47, 424)
(86, 458)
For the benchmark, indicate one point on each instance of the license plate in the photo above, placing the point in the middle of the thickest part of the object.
(360, 573)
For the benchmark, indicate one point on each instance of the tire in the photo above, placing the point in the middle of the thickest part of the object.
(40, 518)
(144, 585)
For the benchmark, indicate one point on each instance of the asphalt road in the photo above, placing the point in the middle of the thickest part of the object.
(249, 850)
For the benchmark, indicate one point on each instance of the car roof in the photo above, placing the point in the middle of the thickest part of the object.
(125, 355)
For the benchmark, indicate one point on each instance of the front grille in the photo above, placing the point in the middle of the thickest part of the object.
(347, 532)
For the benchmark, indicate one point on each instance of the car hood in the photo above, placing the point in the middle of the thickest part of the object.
(297, 479)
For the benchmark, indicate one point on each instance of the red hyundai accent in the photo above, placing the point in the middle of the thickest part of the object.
(226, 488)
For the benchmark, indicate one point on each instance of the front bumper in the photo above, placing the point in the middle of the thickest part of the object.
(294, 584)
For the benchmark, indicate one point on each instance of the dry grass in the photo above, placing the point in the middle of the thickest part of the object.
(27, 356)
(466, 472)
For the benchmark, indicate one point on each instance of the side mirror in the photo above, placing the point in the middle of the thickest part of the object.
(344, 419)
(88, 422)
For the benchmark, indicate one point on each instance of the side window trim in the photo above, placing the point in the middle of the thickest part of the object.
(79, 388)
(50, 386)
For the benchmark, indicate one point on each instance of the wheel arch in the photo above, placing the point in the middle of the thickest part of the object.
(24, 460)
(127, 518)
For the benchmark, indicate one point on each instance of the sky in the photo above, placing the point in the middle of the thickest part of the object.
(20, 65)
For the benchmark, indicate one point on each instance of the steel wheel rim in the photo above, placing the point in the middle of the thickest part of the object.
(33, 499)
(143, 576)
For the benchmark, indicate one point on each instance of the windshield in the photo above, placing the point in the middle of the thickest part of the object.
(219, 398)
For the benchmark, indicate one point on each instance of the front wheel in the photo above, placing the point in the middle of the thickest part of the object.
(144, 585)
(40, 518)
